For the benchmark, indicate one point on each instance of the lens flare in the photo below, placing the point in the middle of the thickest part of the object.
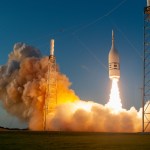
(115, 100)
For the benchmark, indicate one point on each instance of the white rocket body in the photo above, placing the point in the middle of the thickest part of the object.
(148, 3)
(113, 60)
(52, 47)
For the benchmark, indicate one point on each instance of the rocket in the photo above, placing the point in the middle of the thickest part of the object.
(113, 60)
(52, 47)
(148, 3)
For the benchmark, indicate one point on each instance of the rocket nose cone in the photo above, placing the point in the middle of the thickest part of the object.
(113, 51)
(113, 55)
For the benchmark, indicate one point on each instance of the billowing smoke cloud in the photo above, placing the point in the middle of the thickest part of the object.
(22, 92)
(90, 116)
(23, 83)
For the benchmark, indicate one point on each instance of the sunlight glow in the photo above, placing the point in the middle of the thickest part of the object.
(83, 105)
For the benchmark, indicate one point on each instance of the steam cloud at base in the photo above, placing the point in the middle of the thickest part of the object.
(90, 116)
(23, 82)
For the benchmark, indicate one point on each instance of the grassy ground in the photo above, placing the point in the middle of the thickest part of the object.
(26, 140)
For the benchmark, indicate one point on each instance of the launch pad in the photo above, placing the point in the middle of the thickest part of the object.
(51, 89)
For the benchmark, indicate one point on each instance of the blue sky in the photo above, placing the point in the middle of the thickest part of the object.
(82, 33)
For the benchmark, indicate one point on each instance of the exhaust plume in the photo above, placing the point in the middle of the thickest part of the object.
(23, 81)
(115, 100)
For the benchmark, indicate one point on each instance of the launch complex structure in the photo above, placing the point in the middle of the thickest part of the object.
(51, 89)
(146, 79)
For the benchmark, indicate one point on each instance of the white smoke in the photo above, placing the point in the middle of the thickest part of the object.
(94, 117)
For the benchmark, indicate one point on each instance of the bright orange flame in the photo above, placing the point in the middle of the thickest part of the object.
(115, 100)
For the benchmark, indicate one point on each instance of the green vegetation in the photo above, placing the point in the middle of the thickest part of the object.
(27, 140)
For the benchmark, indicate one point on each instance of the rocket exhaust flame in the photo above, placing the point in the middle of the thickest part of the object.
(115, 101)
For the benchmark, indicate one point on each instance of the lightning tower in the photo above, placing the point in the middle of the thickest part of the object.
(146, 82)
(51, 90)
